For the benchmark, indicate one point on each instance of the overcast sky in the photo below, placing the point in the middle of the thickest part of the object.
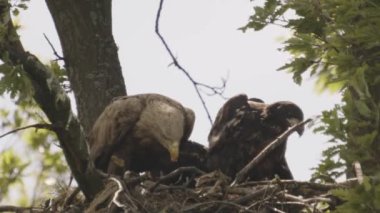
(204, 37)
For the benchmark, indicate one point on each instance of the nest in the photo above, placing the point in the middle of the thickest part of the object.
(188, 189)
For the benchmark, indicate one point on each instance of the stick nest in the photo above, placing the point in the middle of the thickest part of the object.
(188, 189)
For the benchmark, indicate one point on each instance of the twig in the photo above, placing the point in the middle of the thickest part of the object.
(20, 209)
(132, 181)
(243, 173)
(214, 90)
(358, 171)
(293, 198)
(176, 173)
(54, 51)
(37, 126)
(270, 189)
(70, 198)
(116, 195)
(193, 207)
(297, 184)
(275, 209)
(135, 205)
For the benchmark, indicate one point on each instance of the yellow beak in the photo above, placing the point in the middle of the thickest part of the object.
(174, 152)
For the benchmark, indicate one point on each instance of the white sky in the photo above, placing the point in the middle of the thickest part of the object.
(204, 37)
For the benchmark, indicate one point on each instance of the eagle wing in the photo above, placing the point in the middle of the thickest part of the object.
(225, 115)
(116, 121)
(189, 123)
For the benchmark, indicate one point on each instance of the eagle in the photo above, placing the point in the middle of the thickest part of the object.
(140, 133)
(243, 128)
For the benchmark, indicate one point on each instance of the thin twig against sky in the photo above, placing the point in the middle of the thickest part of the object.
(197, 85)
(54, 50)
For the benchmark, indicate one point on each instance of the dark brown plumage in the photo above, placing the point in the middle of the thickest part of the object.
(140, 133)
(242, 128)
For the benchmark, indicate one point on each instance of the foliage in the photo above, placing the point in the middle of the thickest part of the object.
(11, 167)
(44, 159)
(338, 42)
(17, 5)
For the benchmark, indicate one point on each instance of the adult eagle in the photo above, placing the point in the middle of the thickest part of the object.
(243, 128)
(140, 133)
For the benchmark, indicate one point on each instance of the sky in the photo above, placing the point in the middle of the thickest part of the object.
(204, 37)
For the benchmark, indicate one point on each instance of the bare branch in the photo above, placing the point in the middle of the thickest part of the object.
(243, 173)
(283, 195)
(130, 205)
(37, 126)
(303, 184)
(358, 171)
(54, 51)
(20, 209)
(175, 173)
(197, 85)
(70, 198)
(215, 203)
(275, 209)
(116, 195)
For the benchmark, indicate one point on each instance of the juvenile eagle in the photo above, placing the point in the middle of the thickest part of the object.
(140, 133)
(243, 128)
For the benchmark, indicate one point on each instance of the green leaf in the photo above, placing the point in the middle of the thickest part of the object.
(362, 108)
(15, 12)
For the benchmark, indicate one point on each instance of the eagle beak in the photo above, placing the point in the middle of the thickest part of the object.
(174, 152)
(300, 130)
(295, 121)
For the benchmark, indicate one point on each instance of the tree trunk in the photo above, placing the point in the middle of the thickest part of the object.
(90, 53)
(53, 101)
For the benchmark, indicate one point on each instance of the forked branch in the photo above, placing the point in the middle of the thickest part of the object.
(197, 85)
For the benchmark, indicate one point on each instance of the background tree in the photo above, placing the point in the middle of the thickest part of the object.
(92, 69)
(338, 42)
(89, 55)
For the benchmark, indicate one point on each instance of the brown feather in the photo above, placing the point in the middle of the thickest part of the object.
(139, 133)
(241, 131)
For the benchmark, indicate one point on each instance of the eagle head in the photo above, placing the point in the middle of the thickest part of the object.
(286, 114)
(167, 122)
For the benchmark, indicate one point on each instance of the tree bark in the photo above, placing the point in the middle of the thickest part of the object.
(54, 102)
(90, 53)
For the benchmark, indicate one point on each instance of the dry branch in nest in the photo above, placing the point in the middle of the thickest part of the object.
(209, 192)
(214, 195)
(215, 192)
(243, 173)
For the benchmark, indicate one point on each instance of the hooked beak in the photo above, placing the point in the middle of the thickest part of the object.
(294, 121)
(174, 152)
(300, 130)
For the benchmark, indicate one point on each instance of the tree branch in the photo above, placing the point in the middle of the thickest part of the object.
(243, 173)
(37, 126)
(175, 173)
(197, 85)
(358, 171)
(20, 209)
(54, 51)
(117, 193)
(53, 101)
(303, 184)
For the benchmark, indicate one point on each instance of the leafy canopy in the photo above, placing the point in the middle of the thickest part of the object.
(338, 42)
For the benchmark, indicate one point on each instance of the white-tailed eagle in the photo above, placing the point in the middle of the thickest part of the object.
(243, 128)
(140, 133)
